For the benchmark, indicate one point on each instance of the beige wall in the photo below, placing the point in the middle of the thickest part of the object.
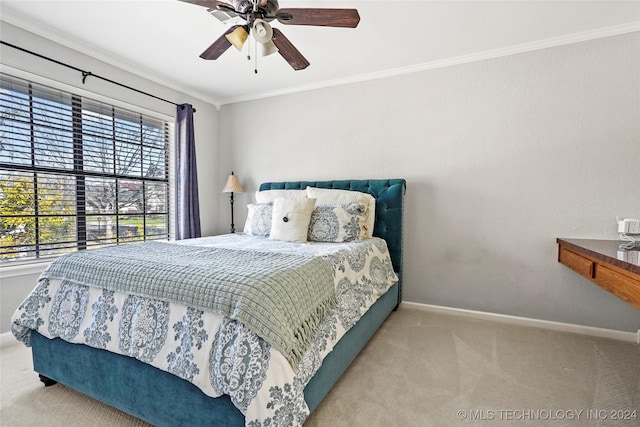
(501, 157)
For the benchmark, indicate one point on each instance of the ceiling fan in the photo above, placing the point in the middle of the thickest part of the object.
(259, 13)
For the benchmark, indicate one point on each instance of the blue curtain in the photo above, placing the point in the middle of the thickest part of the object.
(187, 204)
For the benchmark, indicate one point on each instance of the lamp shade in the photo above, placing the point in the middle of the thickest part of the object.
(238, 37)
(232, 185)
(268, 48)
(262, 31)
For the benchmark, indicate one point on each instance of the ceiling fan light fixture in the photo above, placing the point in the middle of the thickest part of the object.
(268, 48)
(262, 31)
(237, 37)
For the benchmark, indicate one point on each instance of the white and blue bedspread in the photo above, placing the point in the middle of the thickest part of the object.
(220, 355)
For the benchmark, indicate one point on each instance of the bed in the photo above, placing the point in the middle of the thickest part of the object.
(165, 399)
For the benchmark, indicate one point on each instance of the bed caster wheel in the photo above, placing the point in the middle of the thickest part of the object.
(48, 382)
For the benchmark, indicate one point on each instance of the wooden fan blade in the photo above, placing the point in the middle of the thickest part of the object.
(289, 51)
(211, 4)
(348, 18)
(219, 46)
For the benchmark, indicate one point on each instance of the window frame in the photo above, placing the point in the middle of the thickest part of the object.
(79, 98)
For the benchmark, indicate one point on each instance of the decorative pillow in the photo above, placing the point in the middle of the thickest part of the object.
(291, 219)
(270, 195)
(342, 223)
(328, 196)
(259, 219)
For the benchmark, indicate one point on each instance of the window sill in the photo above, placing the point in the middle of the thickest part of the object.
(35, 267)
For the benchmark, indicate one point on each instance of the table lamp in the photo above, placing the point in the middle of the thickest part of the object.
(232, 186)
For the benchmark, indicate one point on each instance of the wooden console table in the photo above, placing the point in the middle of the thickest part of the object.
(602, 262)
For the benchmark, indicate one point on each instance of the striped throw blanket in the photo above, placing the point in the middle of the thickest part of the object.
(281, 297)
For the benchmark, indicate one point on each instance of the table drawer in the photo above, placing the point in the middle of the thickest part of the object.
(623, 286)
(577, 263)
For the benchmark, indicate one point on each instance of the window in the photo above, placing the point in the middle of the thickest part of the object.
(76, 173)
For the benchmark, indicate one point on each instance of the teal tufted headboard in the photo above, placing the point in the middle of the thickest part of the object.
(389, 195)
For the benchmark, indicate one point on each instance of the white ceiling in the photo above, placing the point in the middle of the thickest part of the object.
(163, 39)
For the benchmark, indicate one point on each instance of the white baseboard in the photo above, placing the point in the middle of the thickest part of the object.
(633, 337)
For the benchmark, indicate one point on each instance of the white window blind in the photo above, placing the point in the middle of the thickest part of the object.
(76, 173)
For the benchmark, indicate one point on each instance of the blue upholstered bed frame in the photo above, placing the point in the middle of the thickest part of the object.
(163, 399)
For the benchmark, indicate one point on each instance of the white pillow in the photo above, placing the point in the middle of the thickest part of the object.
(328, 196)
(291, 219)
(270, 195)
(258, 219)
(344, 223)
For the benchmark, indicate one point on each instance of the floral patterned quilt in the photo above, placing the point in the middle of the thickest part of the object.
(217, 354)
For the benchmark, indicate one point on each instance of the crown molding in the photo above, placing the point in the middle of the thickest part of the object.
(65, 40)
(465, 59)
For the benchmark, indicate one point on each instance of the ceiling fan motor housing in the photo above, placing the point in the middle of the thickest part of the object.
(267, 8)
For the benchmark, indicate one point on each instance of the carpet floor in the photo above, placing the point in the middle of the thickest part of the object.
(420, 369)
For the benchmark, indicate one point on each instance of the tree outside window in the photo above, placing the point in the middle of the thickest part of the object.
(76, 173)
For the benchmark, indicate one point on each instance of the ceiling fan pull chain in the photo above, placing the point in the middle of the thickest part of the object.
(256, 58)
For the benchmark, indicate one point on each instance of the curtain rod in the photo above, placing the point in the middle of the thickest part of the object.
(86, 74)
